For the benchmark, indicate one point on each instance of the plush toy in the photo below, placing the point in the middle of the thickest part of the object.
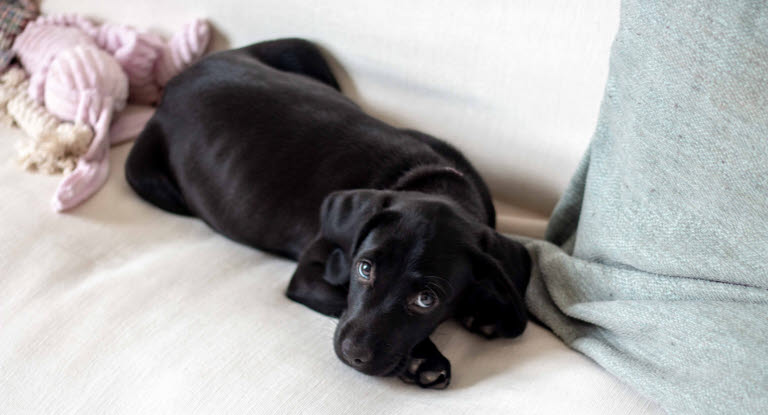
(81, 72)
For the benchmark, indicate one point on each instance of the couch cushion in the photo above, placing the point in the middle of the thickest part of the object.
(119, 307)
(657, 263)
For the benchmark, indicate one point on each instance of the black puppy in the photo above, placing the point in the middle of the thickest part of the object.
(392, 228)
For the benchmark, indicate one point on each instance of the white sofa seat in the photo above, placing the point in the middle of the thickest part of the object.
(118, 307)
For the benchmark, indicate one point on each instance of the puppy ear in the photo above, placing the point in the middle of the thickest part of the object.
(346, 216)
(501, 269)
(336, 268)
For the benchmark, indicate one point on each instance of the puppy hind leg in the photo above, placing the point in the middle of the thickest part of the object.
(294, 55)
(148, 173)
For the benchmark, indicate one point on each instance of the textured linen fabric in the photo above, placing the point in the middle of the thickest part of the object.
(656, 265)
(120, 308)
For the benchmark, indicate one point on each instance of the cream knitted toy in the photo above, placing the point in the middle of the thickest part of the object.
(81, 72)
(54, 146)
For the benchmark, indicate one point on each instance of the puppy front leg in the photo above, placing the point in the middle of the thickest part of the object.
(309, 286)
(427, 367)
(484, 312)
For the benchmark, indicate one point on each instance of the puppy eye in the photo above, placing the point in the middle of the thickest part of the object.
(364, 269)
(426, 299)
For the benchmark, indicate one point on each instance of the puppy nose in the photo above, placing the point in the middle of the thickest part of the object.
(354, 354)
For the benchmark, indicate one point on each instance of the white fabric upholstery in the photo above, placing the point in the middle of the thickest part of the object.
(119, 307)
(122, 308)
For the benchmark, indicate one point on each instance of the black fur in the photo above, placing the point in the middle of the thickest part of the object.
(260, 144)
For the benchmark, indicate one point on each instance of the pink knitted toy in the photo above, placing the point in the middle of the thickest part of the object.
(81, 72)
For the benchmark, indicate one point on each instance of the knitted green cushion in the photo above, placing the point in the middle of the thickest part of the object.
(656, 259)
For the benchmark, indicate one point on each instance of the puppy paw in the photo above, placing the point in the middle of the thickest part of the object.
(489, 325)
(479, 325)
(487, 315)
(431, 372)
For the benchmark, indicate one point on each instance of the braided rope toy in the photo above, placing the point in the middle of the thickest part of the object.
(54, 146)
(82, 72)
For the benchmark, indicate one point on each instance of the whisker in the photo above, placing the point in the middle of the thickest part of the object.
(436, 287)
(441, 286)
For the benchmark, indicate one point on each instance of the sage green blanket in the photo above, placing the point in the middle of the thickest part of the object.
(656, 259)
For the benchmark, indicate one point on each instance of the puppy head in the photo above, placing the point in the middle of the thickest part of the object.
(411, 261)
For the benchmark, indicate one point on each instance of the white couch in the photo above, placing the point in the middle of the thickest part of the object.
(119, 307)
